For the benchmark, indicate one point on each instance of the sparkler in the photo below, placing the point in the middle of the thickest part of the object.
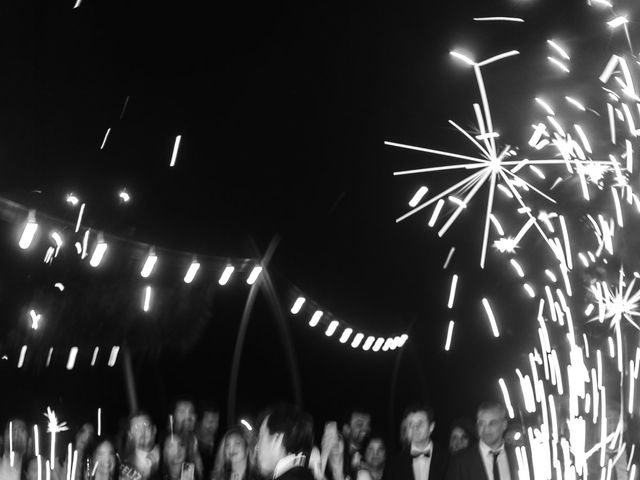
(54, 427)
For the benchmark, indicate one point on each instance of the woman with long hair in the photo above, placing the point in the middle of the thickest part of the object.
(234, 457)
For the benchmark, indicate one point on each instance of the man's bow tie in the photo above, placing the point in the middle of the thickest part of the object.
(418, 453)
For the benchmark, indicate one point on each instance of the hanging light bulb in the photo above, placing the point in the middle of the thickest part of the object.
(378, 344)
(149, 264)
(297, 305)
(253, 276)
(226, 275)
(147, 299)
(191, 273)
(331, 329)
(315, 318)
(29, 231)
(368, 342)
(357, 340)
(98, 252)
(345, 335)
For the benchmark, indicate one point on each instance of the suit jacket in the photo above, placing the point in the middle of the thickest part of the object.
(468, 465)
(401, 467)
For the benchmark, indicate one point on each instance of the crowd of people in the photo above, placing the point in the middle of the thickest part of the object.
(279, 446)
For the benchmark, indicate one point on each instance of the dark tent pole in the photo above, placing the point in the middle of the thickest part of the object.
(242, 332)
(129, 379)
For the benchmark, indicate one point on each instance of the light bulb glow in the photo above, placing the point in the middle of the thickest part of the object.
(368, 342)
(98, 254)
(315, 318)
(297, 305)
(226, 275)
(71, 361)
(191, 272)
(357, 340)
(344, 338)
(28, 233)
(148, 266)
(253, 276)
(147, 299)
(331, 329)
(378, 345)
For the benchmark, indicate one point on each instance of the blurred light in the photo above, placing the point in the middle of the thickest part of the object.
(48, 256)
(387, 344)
(297, 305)
(29, 231)
(357, 340)
(72, 199)
(191, 272)
(106, 135)
(98, 252)
(149, 264)
(71, 361)
(59, 286)
(147, 299)
(80, 213)
(618, 21)
(246, 424)
(95, 356)
(403, 338)
(176, 146)
(492, 319)
(124, 196)
(452, 290)
(226, 275)
(49, 355)
(315, 318)
(35, 319)
(57, 238)
(23, 353)
(447, 344)
(113, 357)
(345, 335)
(253, 276)
(378, 344)
(422, 191)
(368, 342)
(331, 329)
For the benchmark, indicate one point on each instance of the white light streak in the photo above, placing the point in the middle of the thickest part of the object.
(557, 63)
(368, 342)
(146, 304)
(192, 271)
(452, 290)
(331, 329)
(529, 289)
(357, 340)
(253, 276)
(297, 305)
(498, 19)
(491, 318)
(344, 338)
(507, 399)
(71, 361)
(149, 264)
(314, 319)
(113, 356)
(98, 252)
(176, 146)
(448, 259)
(417, 197)
(403, 338)
(618, 21)
(106, 136)
(94, 357)
(226, 275)
(79, 221)
(447, 344)
(35, 319)
(29, 231)
(516, 266)
(23, 353)
(558, 49)
(378, 345)
(246, 424)
(436, 212)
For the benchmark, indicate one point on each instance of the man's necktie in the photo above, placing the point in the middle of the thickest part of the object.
(496, 470)
(418, 453)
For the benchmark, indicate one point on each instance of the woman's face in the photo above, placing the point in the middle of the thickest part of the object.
(174, 450)
(375, 454)
(458, 440)
(105, 458)
(338, 447)
(234, 448)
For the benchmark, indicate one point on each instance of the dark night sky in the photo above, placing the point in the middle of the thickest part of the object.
(283, 109)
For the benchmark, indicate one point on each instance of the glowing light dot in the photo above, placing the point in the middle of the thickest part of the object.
(297, 305)
(226, 275)
(315, 318)
(29, 232)
(331, 329)
(124, 196)
(72, 199)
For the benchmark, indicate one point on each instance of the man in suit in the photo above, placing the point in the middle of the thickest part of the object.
(284, 444)
(490, 459)
(420, 459)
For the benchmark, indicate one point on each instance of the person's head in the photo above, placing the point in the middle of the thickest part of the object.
(19, 436)
(142, 432)
(285, 430)
(104, 459)
(375, 454)
(184, 416)
(460, 435)
(84, 437)
(174, 451)
(491, 423)
(358, 427)
(419, 424)
(209, 421)
(236, 446)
